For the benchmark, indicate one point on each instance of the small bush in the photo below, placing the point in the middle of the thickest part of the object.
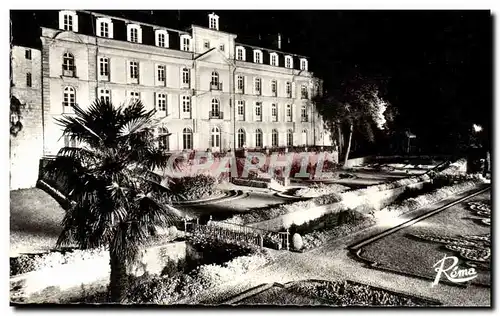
(192, 187)
(297, 242)
(33, 262)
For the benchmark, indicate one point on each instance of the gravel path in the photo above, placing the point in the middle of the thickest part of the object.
(334, 262)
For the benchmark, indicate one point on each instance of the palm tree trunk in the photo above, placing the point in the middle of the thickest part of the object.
(348, 144)
(118, 279)
(339, 138)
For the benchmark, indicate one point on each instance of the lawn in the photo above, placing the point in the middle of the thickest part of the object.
(405, 252)
(35, 221)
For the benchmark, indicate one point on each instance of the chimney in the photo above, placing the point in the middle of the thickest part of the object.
(279, 41)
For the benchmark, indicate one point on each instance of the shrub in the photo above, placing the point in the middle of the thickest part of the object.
(272, 241)
(192, 187)
(297, 242)
(348, 293)
(32, 262)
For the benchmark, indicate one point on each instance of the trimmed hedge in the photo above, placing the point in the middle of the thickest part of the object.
(192, 188)
(348, 293)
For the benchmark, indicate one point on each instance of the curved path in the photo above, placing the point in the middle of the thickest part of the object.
(333, 261)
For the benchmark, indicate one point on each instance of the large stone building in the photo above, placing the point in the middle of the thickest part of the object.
(209, 90)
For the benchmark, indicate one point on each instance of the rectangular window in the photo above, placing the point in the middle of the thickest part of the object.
(185, 76)
(221, 47)
(241, 107)
(135, 95)
(273, 60)
(185, 44)
(240, 83)
(68, 22)
(274, 88)
(105, 95)
(134, 35)
(161, 40)
(104, 29)
(274, 110)
(27, 54)
(161, 73)
(104, 66)
(186, 104)
(258, 108)
(239, 54)
(206, 44)
(304, 92)
(257, 58)
(258, 86)
(134, 70)
(289, 89)
(28, 79)
(161, 101)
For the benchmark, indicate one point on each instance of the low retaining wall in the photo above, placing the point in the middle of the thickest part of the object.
(349, 200)
(70, 276)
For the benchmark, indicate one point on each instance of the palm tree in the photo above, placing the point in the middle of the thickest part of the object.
(117, 201)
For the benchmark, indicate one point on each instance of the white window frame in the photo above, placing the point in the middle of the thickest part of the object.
(257, 52)
(276, 61)
(288, 89)
(186, 104)
(161, 102)
(241, 138)
(104, 66)
(303, 64)
(187, 138)
(288, 113)
(186, 76)
(104, 93)
(243, 54)
(274, 112)
(240, 79)
(74, 20)
(158, 43)
(288, 61)
(137, 27)
(213, 21)
(258, 109)
(241, 107)
(99, 22)
(133, 64)
(215, 137)
(134, 95)
(187, 37)
(161, 73)
(69, 97)
(255, 85)
(274, 88)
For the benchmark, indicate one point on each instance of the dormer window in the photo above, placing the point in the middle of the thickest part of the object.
(288, 62)
(213, 20)
(303, 64)
(186, 42)
(257, 56)
(161, 38)
(134, 33)
(68, 20)
(104, 27)
(274, 59)
(240, 53)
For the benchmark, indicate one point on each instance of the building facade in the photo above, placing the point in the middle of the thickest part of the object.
(209, 91)
(26, 116)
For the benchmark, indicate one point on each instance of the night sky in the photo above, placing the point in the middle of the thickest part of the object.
(438, 64)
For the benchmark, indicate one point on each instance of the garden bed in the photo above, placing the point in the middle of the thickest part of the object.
(339, 224)
(339, 293)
